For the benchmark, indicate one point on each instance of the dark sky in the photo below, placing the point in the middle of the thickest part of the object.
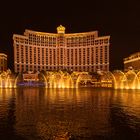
(118, 18)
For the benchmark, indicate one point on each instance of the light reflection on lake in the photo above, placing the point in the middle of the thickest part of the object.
(86, 113)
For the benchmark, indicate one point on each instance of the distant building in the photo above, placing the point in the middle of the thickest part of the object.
(36, 51)
(3, 62)
(30, 76)
(132, 62)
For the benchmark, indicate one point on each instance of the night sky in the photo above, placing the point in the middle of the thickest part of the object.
(118, 18)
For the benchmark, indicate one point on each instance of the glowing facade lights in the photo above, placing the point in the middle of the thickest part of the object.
(37, 51)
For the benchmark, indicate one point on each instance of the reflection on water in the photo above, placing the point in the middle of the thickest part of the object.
(86, 113)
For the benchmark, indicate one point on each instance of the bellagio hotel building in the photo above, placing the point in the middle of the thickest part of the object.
(37, 51)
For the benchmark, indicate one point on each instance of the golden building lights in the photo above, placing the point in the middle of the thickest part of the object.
(36, 51)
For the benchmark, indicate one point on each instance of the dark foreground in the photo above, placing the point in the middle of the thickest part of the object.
(82, 114)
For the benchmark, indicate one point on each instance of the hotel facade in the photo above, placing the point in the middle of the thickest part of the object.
(133, 62)
(3, 62)
(37, 51)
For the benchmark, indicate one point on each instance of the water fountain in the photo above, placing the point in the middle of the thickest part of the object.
(64, 79)
(116, 79)
(126, 80)
(58, 80)
(122, 80)
(107, 79)
(7, 80)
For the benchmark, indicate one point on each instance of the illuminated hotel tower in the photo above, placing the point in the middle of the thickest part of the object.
(3, 62)
(36, 51)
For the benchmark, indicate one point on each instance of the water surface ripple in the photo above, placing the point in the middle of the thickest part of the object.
(86, 113)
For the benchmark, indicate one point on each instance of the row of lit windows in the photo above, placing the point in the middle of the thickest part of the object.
(53, 55)
(39, 37)
(83, 60)
(76, 44)
(60, 40)
(101, 48)
(39, 68)
(3, 58)
(3, 62)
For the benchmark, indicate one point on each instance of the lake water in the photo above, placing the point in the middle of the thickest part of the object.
(86, 113)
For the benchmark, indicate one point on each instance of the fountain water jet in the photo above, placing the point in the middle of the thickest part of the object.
(7, 80)
(64, 79)
(126, 80)
(58, 80)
